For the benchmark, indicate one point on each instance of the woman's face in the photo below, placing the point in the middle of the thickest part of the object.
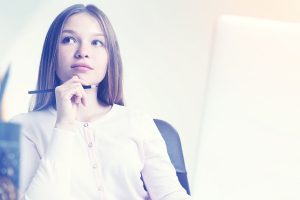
(82, 50)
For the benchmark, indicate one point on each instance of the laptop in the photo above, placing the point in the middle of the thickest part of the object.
(249, 146)
(9, 152)
(3, 83)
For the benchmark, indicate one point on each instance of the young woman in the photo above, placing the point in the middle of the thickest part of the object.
(83, 143)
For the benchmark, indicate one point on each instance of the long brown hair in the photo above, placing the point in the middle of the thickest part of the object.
(110, 90)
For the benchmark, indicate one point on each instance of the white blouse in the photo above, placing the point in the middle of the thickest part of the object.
(104, 159)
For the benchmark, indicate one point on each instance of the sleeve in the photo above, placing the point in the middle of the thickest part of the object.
(29, 161)
(47, 178)
(158, 173)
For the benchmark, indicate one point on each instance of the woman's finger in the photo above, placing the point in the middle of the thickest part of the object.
(76, 79)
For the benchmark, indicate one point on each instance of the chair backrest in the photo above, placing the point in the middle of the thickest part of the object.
(171, 137)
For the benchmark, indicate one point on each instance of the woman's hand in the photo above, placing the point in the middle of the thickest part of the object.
(68, 97)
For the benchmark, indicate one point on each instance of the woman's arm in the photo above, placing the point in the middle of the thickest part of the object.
(46, 178)
(29, 162)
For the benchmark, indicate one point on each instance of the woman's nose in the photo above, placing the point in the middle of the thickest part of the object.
(82, 52)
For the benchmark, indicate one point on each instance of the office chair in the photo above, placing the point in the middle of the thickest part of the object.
(171, 137)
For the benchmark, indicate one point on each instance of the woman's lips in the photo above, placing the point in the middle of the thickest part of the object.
(81, 67)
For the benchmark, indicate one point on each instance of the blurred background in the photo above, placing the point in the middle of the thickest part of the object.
(165, 46)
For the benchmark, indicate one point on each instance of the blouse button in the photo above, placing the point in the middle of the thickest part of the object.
(85, 124)
(99, 188)
(95, 165)
(90, 144)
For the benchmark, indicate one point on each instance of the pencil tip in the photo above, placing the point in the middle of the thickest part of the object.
(94, 86)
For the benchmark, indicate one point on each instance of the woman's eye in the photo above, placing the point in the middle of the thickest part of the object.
(68, 40)
(97, 43)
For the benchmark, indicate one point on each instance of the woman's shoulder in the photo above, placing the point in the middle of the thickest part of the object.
(131, 112)
(31, 115)
(32, 118)
(138, 118)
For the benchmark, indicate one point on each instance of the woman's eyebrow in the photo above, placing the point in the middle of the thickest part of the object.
(73, 32)
(68, 31)
(98, 34)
